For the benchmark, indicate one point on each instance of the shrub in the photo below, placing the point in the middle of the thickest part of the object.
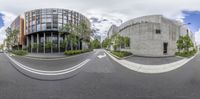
(121, 54)
(186, 54)
(20, 52)
(75, 52)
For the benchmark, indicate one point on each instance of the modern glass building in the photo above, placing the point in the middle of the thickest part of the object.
(42, 27)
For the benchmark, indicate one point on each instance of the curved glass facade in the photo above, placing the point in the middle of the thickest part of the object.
(42, 26)
(51, 19)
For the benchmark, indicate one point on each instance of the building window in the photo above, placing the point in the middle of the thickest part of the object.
(158, 31)
(48, 20)
(48, 25)
(55, 26)
(59, 20)
(43, 26)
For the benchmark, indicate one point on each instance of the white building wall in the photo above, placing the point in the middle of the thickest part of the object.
(143, 38)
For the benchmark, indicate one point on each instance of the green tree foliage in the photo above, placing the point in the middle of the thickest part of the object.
(120, 41)
(48, 45)
(11, 37)
(73, 34)
(1, 46)
(184, 43)
(106, 43)
(96, 44)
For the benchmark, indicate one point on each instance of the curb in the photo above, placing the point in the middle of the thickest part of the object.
(47, 75)
(151, 69)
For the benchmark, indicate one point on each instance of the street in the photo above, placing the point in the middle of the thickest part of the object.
(102, 78)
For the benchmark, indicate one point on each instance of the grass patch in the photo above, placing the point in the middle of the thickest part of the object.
(20, 52)
(75, 52)
(121, 54)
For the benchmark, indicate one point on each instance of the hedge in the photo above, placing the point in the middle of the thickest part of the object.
(186, 54)
(75, 52)
(121, 54)
(20, 52)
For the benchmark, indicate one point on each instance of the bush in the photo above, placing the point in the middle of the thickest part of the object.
(121, 54)
(20, 52)
(75, 52)
(186, 54)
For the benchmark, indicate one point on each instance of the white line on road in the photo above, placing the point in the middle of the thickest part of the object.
(102, 56)
(41, 72)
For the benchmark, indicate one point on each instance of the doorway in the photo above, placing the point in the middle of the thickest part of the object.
(165, 47)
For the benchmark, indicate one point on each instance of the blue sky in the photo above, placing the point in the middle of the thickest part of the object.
(192, 17)
(1, 20)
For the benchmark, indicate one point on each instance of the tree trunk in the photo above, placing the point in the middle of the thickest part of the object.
(65, 40)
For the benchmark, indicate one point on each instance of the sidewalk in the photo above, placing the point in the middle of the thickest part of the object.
(153, 60)
(152, 69)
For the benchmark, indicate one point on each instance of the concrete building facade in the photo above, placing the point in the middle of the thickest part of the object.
(151, 36)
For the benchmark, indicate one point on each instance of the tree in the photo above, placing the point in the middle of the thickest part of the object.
(96, 44)
(1, 46)
(12, 36)
(106, 43)
(127, 41)
(66, 29)
(180, 43)
(84, 30)
(184, 43)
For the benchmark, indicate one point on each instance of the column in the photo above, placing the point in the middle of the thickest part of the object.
(51, 42)
(27, 42)
(59, 42)
(37, 42)
(31, 43)
(44, 42)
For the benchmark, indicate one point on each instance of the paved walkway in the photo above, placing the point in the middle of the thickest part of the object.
(152, 61)
(151, 68)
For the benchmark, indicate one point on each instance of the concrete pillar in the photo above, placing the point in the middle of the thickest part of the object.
(37, 42)
(27, 42)
(44, 42)
(51, 42)
(31, 43)
(59, 42)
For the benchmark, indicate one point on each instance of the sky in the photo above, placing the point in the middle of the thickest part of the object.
(104, 13)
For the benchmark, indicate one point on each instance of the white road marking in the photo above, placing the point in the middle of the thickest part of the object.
(41, 72)
(102, 56)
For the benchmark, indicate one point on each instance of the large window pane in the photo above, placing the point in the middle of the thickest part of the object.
(38, 27)
(48, 25)
(43, 26)
(49, 20)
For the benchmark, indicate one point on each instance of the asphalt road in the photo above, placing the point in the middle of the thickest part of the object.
(103, 79)
(52, 65)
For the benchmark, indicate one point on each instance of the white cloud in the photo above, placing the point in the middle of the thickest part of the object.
(7, 18)
(197, 37)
